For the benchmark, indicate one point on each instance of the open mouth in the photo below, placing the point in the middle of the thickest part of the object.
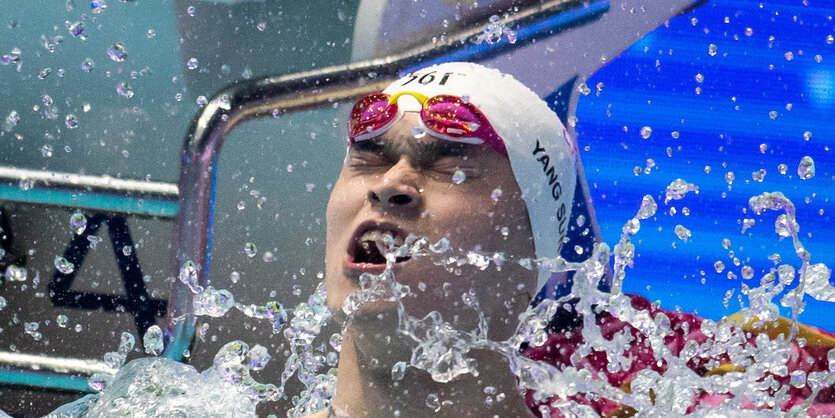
(363, 249)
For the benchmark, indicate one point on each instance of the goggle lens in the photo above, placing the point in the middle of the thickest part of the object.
(370, 114)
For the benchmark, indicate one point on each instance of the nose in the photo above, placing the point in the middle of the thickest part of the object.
(397, 189)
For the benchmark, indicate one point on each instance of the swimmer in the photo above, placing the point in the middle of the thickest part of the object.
(514, 165)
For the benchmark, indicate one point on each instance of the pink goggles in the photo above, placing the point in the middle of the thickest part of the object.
(446, 117)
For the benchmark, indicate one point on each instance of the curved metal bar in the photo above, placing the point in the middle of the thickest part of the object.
(257, 98)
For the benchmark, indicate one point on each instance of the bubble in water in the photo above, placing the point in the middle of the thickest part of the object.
(117, 52)
(719, 266)
(712, 49)
(763, 148)
(202, 100)
(648, 207)
(62, 321)
(70, 121)
(78, 222)
(63, 265)
(433, 403)
(458, 177)
(191, 10)
(807, 135)
(192, 63)
(496, 194)
(152, 340)
(682, 233)
(235, 277)
(398, 370)
(127, 250)
(250, 249)
(806, 168)
(16, 274)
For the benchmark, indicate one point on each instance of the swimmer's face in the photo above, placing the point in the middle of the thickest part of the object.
(403, 184)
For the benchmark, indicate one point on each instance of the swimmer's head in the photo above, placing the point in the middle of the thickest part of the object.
(409, 146)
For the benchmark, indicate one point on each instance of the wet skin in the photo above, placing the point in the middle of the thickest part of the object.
(406, 183)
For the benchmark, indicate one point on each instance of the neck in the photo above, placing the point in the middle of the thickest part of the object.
(365, 387)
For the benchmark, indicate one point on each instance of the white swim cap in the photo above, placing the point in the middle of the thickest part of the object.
(542, 154)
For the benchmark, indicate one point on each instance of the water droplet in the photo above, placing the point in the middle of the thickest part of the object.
(97, 6)
(719, 266)
(772, 114)
(433, 403)
(504, 231)
(682, 233)
(418, 132)
(87, 65)
(730, 177)
(262, 26)
(749, 31)
(46, 151)
(711, 49)
(45, 73)
(496, 194)
(117, 52)
(758, 175)
(16, 274)
(806, 168)
(78, 222)
(599, 86)
(192, 63)
(191, 10)
(62, 321)
(151, 33)
(631, 227)
(646, 132)
(70, 121)
(202, 100)
(127, 250)
(763, 148)
(398, 370)
(789, 56)
(259, 356)
(212, 302)
(578, 249)
(584, 89)
(63, 265)
(152, 340)
(782, 168)
(235, 277)
(747, 272)
(648, 207)
(807, 136)
(784, 228)
(125, 90)
(699, 78)
(250, 249)
(12, 120)
(441, 246)
(458, 177)
(76, 30)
